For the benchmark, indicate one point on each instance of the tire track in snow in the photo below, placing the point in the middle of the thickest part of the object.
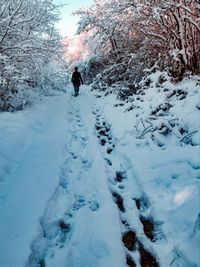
(137, 224)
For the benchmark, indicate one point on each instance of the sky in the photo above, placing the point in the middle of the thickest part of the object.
(68, 24)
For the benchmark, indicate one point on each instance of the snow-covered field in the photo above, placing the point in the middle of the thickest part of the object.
(84, 183)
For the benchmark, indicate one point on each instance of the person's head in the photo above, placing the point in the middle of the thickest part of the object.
(76, 68)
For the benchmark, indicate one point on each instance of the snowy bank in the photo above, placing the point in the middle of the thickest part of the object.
(159, 131)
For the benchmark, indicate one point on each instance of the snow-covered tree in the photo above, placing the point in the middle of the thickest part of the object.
(175, 25)
(28, 43)
(130, 36)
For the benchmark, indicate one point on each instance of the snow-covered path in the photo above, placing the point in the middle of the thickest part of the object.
(72, 196)
(58, 181)
(80, 218)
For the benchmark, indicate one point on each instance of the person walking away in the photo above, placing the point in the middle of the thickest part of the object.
(76, 80)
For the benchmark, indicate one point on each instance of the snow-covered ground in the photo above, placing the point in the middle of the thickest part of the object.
(83, 185)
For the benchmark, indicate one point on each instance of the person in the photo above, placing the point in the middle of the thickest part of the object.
(76, 80)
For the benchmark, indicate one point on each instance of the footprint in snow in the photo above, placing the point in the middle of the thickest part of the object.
(65, 228)
(84, 138)
(93, 205)
(86, 163)
(109, 162)
(73, 154)
(84, 141)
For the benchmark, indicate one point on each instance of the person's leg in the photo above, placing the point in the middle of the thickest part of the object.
(76, 89)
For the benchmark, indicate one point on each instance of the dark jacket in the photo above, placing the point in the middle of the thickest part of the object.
(76, 78)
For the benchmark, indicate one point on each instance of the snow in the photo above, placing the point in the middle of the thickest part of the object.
(75, 178)
(40, 143)
(168, 176)
(30, 143)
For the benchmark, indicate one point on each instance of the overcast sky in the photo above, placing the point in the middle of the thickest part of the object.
(68, 24)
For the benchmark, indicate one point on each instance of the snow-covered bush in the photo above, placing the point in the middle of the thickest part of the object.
(123, 73)
(167, 112)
